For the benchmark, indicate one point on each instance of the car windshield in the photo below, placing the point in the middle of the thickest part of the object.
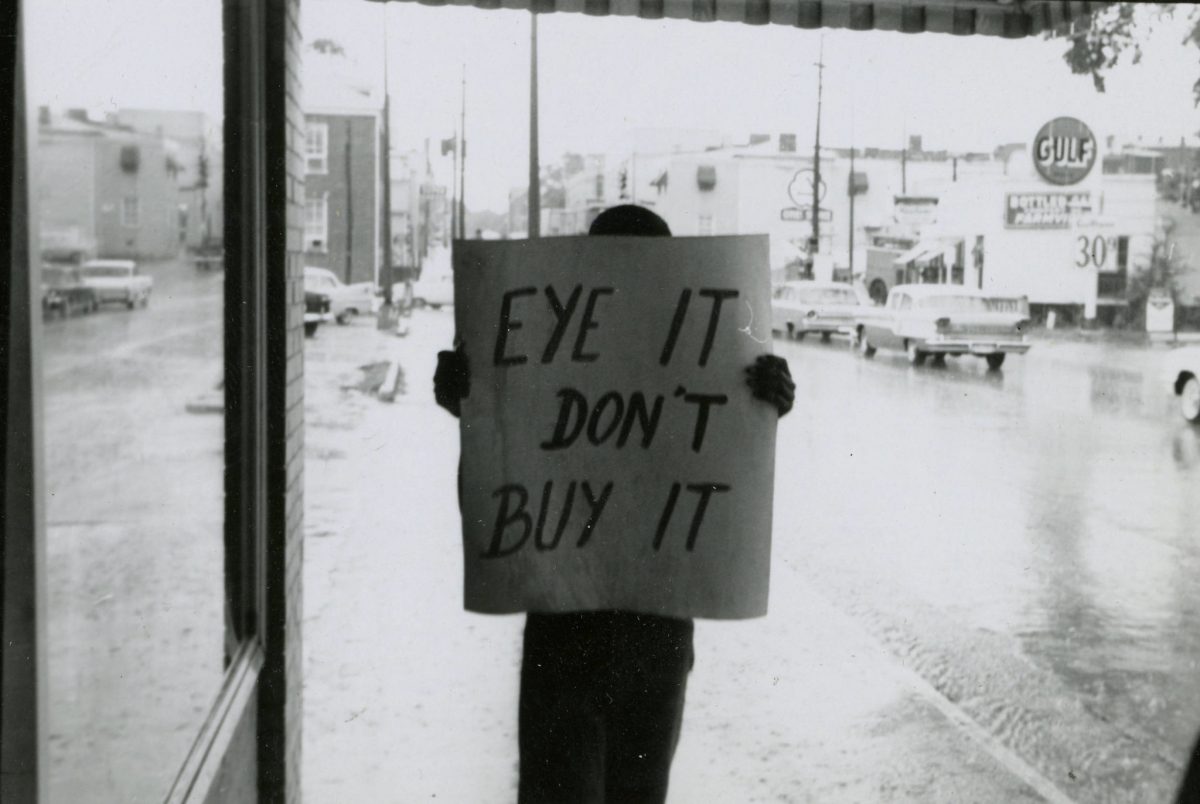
(106, 270)
(320, 279)
(954, 304)
(828, 296)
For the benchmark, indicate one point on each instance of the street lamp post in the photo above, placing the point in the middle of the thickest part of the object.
(535, 186)
(814, 241)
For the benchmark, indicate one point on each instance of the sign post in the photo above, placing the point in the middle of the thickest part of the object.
(612, 455)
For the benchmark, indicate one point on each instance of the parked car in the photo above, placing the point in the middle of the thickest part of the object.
(798, 308)
(940, 320)
(117, 281)
(1183, 375)
(433, 290)
(317, 308)
(63, 292)
(346, 301)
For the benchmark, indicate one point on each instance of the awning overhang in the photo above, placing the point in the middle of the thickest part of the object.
(1012, 19)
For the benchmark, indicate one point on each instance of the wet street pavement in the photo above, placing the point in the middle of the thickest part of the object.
(134, 551)
(1024, 541)
(982, 590)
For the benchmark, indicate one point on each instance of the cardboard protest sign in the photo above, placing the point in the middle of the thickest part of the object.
(613, 456)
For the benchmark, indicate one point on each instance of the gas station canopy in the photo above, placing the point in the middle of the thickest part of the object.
(1011, 19)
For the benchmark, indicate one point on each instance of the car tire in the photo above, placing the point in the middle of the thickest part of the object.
(825, 337)
(418, 303)
(343, 318)
(436, 306)
(939, 359)
(131, 303)
(791, 331)
(1189, 400)
(864, 346)
(995, 361)
(310, 328)
(916, 355)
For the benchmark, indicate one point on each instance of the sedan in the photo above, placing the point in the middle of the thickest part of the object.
(64, 294)
(798, 308)
(941, 320)
(346, 301)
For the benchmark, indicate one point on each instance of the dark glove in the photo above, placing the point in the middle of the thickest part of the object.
(451, 380)
(771, 382)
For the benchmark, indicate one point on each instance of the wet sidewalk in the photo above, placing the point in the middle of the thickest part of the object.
(408, 698)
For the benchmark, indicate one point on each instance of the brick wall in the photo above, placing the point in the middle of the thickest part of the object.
(294, 379)
(352, 197)
(279, 690)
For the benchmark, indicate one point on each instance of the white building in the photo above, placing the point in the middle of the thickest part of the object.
(993, 221)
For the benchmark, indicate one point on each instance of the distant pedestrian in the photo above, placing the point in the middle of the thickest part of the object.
(602, 692)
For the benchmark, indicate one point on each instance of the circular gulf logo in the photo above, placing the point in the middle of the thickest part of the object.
(1064, 151)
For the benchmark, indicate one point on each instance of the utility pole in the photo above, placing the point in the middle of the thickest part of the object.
(385, 270)
(535, 185)
(853, 192)
(904, 163)
(815, 241)
(454, 191)
(349, 206)
(462, 161)
(462, 176)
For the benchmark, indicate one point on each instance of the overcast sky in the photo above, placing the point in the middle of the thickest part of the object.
(603, 76)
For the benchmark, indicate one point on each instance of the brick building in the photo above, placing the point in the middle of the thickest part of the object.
(343, 178)
(105, 188)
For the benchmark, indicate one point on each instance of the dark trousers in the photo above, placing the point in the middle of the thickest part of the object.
(601, 706)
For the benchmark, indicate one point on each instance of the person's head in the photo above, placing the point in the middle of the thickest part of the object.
(629, 219)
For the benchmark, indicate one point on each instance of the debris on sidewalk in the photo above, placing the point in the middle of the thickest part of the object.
(384, 379)
(208, 401)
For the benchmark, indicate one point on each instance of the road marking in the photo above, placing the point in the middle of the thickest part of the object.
(1002, 755)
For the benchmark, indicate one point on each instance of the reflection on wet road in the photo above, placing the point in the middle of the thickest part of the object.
(1023, 540)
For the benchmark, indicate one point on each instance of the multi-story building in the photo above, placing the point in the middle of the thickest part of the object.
(420, 210)
(108, 189)
(194, 145)
(343, 178)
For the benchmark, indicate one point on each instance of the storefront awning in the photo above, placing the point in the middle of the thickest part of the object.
(1011, 19)
(917, 253)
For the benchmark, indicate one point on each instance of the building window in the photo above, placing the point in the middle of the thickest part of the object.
(704, 225)
(129, 211)
(316, 223)
(316, 148)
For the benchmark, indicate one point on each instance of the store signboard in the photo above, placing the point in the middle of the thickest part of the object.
(799, 214)
(1064, 151)
(1054, 210)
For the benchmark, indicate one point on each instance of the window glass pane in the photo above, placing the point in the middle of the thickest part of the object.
(127, 169)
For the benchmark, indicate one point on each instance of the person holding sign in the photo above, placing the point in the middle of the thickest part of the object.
(614, 484)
